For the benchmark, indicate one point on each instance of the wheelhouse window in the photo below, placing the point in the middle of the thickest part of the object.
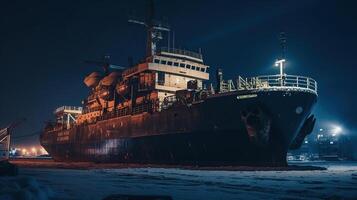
(202, 69)
(169, 63)
(188, 66)
(182, 65)
(193, 67)
(197, 69)
(163, 62)
(160, 78)
(176, 64)
(156, 61)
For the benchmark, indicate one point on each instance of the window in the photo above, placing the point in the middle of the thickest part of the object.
(163, 62)
(176, 64)
(202, 69)
(169, 63)
(157, 61)
(161, 78)
(197, 69)
(188, 66)
(182, 65)
(193, 67)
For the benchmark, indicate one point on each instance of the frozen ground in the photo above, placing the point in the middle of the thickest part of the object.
(339, 181)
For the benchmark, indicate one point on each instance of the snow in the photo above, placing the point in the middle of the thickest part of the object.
(24, 188)
(339, 181)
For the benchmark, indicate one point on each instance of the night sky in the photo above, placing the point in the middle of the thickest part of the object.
(43, 45)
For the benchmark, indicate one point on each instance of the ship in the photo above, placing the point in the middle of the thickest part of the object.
(163, 110)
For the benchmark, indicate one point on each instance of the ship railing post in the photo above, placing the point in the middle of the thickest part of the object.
(297, 81)
(315, 86)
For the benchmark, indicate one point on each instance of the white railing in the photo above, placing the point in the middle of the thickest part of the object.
(181, 52)
(71, 108)
(277, 81)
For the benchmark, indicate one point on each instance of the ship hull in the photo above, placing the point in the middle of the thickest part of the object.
(236, 128)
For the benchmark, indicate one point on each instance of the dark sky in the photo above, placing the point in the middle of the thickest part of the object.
(43, 44)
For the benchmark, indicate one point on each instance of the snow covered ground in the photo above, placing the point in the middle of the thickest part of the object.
(339, 181)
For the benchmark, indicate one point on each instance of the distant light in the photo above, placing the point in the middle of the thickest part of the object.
(33, 149)
(331, 142)
(43, 151)
(336, 130)
(321, 129)
(306, 142)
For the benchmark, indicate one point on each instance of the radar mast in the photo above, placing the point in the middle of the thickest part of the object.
(153, 28)
(281, 61)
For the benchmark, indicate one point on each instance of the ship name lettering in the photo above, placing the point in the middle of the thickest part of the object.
(247, 96)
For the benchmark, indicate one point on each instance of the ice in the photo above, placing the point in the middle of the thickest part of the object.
(26, 188)
(339, 181)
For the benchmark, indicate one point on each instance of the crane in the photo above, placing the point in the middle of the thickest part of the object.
(5, 136)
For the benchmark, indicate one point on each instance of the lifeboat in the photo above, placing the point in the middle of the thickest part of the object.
(93, 79)
(111, 79)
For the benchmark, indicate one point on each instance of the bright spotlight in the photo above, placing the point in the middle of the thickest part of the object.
(336, 130)
(280, 63)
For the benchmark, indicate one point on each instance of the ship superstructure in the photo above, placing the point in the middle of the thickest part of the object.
(160, 111)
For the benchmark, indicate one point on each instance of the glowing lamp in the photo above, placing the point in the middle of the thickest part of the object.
(336, 130)
(280, 64)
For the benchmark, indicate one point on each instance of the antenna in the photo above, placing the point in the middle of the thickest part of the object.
(173, 39)
(153, 28)
(281, 62)
(168, 40)
(282, 39)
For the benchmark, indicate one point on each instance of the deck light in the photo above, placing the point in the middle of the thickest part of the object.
(280, 63)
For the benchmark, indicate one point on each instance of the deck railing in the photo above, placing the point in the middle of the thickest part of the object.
(277, 81)
(169, 101)
(181, 52)
(73, 108)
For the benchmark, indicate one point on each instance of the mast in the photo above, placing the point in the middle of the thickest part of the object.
(282, 39)
(281, 61)
(153, 28)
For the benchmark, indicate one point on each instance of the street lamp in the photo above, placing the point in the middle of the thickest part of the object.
(281, 63)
